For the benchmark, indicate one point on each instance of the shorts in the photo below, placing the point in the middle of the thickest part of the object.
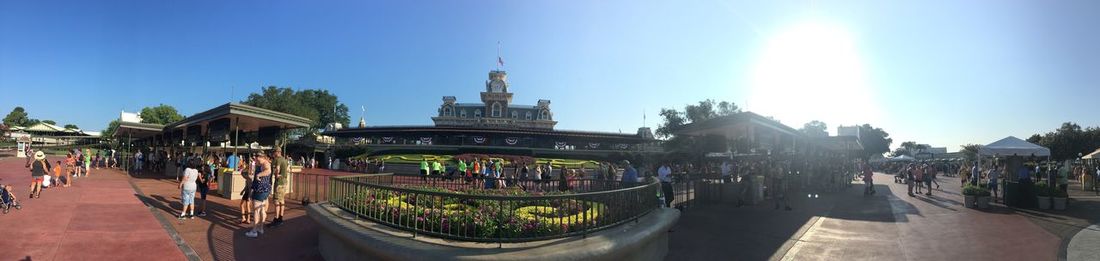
(280, 194)
(260, 196)
(258, 205)
(993, 186)
(203, 189)
(37, 179)
(187, 197)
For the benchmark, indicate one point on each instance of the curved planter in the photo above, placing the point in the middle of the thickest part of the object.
(1060, 203)
(970, 201)
(1044, 202)
(342, 236)
(983, 202)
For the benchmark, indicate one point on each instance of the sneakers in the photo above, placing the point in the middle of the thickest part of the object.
(190, 216)
(182, 217)
(202, 214)
(252, 234)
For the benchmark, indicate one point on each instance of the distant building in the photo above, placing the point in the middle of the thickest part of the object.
(495, 109)
(848, 131)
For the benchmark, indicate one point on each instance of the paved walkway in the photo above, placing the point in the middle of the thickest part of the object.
(98, 218)
(220, 236)
(849, 226)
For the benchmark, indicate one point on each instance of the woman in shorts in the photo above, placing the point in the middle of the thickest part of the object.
(261, 190)
(187, 188)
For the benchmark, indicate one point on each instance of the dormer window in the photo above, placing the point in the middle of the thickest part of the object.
(477, 113)
(515, 115)
(497, 110)
(448, 112)
(544, 115)
(528, 115)
(463, 113)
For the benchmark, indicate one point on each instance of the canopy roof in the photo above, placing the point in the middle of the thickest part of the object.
(1095, 154)
(137, 130)
(1012, 146)
(249, 118)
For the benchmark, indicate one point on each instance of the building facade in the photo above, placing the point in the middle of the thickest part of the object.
(495, 109)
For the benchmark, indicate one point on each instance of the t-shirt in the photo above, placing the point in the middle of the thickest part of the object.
(630, 175)
(282, 167)
(461, 166)
(664, 174)
(190, 175)
(232, 162)
(40, 168)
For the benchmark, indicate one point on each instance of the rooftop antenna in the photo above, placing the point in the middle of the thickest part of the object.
(643, 117)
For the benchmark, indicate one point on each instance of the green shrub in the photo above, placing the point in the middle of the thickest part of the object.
(1042, 189)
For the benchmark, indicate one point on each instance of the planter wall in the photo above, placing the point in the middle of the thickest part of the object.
(983, 202)
(1060, 203)
(970, 201)
(1044, 202)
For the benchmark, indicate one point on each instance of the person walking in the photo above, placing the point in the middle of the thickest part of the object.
(868, 179)
(994, 177)
(630, 175)
(781, 187)
(247, 172)
(664, 174)
(261, 190)
(909, 172)
(187, 187)
(39, 167)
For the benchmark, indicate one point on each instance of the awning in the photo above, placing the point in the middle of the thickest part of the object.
(1012, 146)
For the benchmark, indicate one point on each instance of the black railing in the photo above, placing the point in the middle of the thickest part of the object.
(524, 210)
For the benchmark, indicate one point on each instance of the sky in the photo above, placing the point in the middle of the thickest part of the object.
(945, 73)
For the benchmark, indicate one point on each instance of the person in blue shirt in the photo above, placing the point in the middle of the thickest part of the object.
(630, 175)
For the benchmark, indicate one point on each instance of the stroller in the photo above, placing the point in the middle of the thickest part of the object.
(8, 199)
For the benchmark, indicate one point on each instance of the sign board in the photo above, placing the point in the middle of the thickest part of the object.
(719, 155)
(21, 147)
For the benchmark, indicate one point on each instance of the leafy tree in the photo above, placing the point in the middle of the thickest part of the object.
(815, 129)
(319, 106)
(970, 151)
(1069, 140)
(673, 121)
(875, 140)
(111, 128)
(1035, 138)
(71, 126)
(17, 117)
(50, 122)
(160, 114)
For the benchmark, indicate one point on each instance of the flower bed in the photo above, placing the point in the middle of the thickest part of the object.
(468, 214)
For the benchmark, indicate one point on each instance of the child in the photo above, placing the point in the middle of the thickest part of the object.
(57, 175)
(8, 199)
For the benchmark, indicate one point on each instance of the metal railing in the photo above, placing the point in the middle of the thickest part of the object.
(460, 209)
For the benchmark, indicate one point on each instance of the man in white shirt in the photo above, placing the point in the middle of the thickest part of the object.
(664, 174)
(727, 168)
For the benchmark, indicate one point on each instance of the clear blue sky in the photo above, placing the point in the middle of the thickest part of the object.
(938, 72)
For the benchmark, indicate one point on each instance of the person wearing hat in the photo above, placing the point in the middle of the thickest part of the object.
(630, 175)
(281, 171)
(39, 167)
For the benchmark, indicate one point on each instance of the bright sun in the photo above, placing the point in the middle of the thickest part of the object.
(812, 71)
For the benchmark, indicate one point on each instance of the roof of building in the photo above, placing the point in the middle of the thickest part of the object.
(421, 128)
(742, 117)
(261, 117)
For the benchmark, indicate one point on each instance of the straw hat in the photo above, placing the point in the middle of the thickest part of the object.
(39, 155)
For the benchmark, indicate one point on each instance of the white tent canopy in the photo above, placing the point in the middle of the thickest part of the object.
(1012, 146)
(902, 158)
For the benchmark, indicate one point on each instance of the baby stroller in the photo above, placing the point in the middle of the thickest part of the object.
(8, 199)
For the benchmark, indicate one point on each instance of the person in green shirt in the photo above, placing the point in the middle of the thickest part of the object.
(461, 168)
(87, 162)
(437, 168)
(282, 173)
(424, 169)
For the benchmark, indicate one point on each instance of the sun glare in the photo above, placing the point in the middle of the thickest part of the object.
(812, 71)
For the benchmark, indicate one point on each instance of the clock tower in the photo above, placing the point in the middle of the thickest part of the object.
(496, 96)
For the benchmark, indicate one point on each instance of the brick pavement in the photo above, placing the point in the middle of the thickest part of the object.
(98, 218)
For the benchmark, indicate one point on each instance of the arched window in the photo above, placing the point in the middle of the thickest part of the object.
(477, 113)
(463, 113)
(528, 115)
(544, 115)
(497, 110)
(515, 115)
(448, 112)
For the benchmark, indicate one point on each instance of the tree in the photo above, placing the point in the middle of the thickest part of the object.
(875, 140)
(318, 106)
(71, 126)
(673, 121)
(703, 111)
(726, 108)
(160, 114)
(970, 151)
(17, 117)
(50, 122)
(815, 129)
(1035, 138)
(111, 128)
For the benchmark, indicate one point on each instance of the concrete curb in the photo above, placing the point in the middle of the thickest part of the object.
(1083, 245)
(343, 237)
